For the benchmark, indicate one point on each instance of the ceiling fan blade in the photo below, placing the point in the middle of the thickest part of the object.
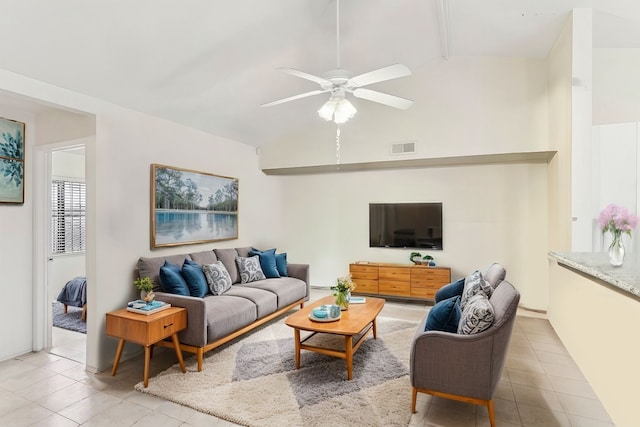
(321, 81)
(293, 98)
(383, 98)
(380, 75)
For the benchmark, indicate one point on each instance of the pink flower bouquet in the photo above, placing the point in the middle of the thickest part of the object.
(617, 220)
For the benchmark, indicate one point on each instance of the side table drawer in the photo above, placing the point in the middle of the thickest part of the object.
(167, 326)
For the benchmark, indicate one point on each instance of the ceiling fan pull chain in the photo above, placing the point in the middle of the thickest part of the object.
(338, 147)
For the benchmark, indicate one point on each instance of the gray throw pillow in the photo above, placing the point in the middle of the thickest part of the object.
(474, 284)
(477, 316)
(218, 277)
(250, 270)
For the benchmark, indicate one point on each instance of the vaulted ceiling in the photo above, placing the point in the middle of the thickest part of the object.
(211, 64)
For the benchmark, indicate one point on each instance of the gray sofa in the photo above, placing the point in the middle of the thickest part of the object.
(217, 319)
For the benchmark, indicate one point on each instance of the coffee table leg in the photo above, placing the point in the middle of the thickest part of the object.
(375, 332)
(296, 338)
(348, 344)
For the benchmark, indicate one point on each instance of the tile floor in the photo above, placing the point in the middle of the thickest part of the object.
(541, 386)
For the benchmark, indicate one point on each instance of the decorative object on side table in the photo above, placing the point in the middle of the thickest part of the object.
(342, 291)
(617, 220)
(145, 285)
(415, 257)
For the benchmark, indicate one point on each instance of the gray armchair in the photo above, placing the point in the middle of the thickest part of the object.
(465, 367)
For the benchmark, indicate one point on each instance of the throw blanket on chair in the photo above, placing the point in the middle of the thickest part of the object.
(74, 292)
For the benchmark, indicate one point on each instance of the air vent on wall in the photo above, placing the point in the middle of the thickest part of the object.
(403, 147)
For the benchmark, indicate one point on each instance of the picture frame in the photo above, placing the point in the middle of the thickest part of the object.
(11, 161)
(189, 207)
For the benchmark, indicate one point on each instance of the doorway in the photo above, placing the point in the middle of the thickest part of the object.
(62, 201)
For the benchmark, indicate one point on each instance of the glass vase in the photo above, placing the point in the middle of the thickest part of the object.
(616, 250)
(342, 300)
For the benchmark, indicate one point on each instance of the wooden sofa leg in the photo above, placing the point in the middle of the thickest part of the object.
(65, 309)
(200, 355)
(84, 313)
(414, 396)
(492, 413)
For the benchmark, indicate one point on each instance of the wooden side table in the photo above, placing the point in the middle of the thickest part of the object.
(146, 330)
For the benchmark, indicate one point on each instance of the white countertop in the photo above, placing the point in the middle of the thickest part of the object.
(596, 264)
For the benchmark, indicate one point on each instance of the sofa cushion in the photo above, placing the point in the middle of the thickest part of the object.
(474, 284)
(450, 290)
(477, 315)
(250, 270)
(193, 275)
(226, 314)
(228, 257)
(444, 316)
(287, 289)
(244, 251)
(171, 280)
(150, 267)
(267, 262)
(217, 277)
(266, 302)
(204, 257)
(281, 264)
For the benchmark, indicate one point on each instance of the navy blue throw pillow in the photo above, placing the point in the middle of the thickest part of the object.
(450, 290)
(267, 262)
(171, 281)
(195, 278)
(281, 264)
(444, 316)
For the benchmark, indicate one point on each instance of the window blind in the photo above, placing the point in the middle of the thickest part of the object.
(68, 217)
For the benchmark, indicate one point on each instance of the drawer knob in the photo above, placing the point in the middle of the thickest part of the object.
(168, 326)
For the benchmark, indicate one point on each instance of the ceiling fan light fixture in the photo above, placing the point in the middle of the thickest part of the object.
(326, 111)
(344, 111)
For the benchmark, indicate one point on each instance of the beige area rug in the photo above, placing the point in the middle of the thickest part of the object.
(253, 381)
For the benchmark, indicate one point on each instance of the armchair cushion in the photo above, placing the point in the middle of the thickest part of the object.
(444, 316)
(473, 285)
(450, 290)
(477, 315)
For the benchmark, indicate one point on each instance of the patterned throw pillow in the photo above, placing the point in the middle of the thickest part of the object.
(218, 277)
(477, 316)
(250, 269)
(474, 284)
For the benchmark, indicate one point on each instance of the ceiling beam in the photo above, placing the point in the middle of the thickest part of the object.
(444, 25)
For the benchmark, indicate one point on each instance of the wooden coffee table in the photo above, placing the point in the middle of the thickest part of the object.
(354, 325)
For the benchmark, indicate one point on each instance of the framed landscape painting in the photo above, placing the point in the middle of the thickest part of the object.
(11, 161)
(192, 207)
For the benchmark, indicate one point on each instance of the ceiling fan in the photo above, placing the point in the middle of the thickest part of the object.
(338, 83)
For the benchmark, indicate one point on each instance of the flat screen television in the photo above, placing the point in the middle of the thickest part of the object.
(405, 225)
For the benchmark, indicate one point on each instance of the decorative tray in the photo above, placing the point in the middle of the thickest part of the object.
(325, 313)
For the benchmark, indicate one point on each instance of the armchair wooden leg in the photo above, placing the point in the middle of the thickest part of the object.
(492, 413)
(414, 395)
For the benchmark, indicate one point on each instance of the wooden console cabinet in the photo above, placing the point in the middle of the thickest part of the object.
(399, 280)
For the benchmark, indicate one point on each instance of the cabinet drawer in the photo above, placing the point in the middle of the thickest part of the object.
(429, 293)
(167, 326)
(390, 287)
(366, 286)
(363, 271)
(431, 274)
(394, 274)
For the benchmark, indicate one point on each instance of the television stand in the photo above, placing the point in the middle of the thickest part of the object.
(404, 281)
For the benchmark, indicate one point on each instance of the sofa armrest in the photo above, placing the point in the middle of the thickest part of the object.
(196, 332)
(453, 363)
(300, 271)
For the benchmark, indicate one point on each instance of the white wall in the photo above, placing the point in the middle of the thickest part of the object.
(616, 85)
(16, 316)
(491, 213)
(463, 106)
